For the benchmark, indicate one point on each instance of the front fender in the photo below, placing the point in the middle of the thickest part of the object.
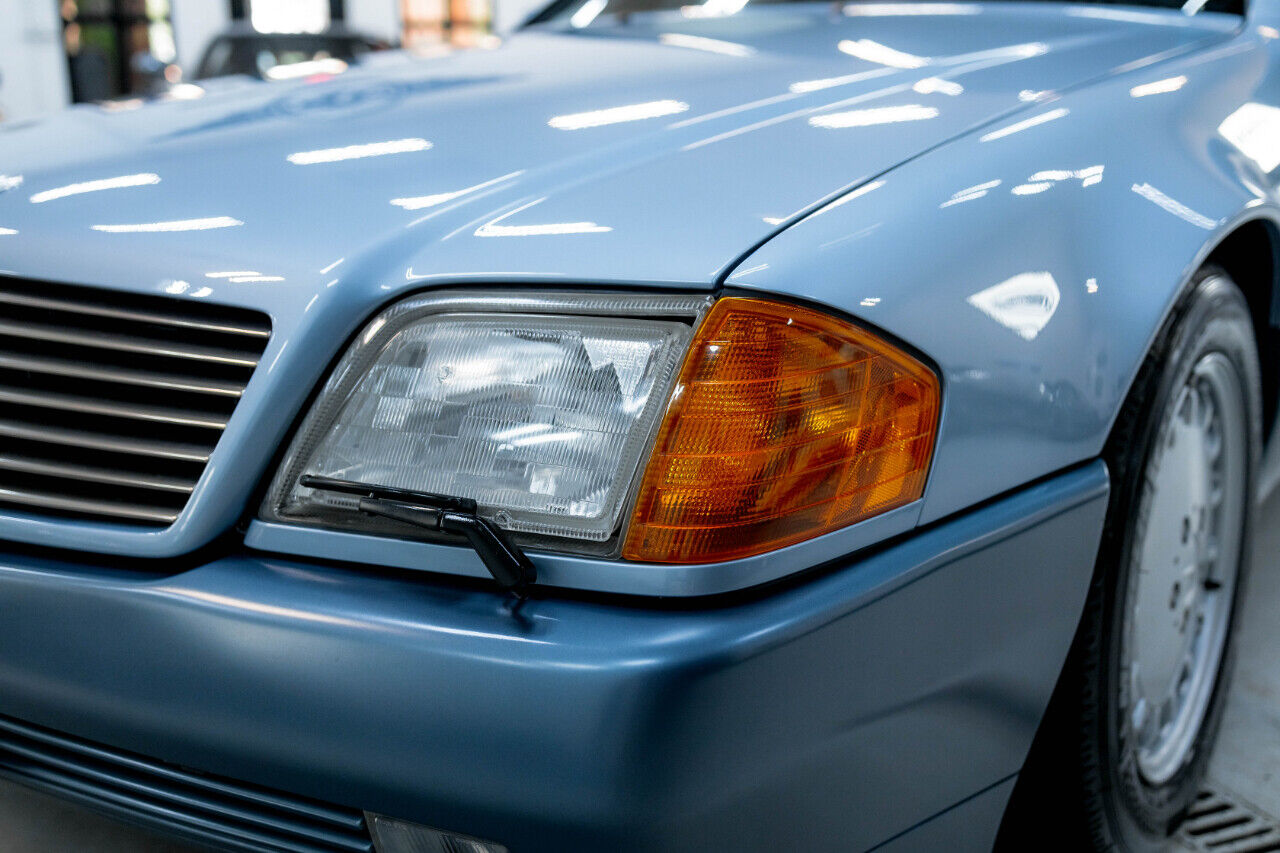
(1036, 258)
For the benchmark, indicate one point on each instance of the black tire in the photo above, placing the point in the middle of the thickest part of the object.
(1081, 782)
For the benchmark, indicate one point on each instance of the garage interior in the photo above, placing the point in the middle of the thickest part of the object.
(94, 50)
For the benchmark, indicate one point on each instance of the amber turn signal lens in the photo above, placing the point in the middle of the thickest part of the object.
(785, 424)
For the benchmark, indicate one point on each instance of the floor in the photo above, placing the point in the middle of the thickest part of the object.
(1246, 762)
(1245, 765)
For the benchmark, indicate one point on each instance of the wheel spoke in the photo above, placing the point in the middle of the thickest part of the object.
(1177, 621)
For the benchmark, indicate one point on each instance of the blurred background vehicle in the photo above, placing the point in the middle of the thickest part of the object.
(57, 52)
(275, 56)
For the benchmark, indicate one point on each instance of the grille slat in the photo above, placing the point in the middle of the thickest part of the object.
(345, 819)
(125, 343)
(257, 330)
(220, 810)
(112, 477)
(91, 441)
(85, 406)
(111, 403)
(123, 376)
(174, 805)
(84, 506)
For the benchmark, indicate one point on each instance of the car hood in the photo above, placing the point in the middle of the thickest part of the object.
(657, 151)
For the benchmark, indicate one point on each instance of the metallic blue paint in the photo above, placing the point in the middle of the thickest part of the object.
(840, 711)
(757, 143)
(1107, 197)
(1021, 203)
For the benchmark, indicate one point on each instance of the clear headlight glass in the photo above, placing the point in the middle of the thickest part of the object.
(539, 408)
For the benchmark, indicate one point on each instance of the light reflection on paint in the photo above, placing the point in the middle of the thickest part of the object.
(972, 193)
(243, 276)
(327, 67)
(881, 54)
(543, 229)
(1024, 304)
(848, 197)
(206, 224)
(1025, 124)
(121, 106)
(249, 606)
(707, 45)
(937, 85)
(1159, 87)
(910, 9)
(1045, 179)
(357, 152)
(422, 202)
(493, 228)
(1128, 16)
(874, 116)
(184, 92)
(803, 86)
(1255, 129)
(618, 115)
(713, 9)
(1175, 207)
(1087, 176)
(587, 13)
(124, 181)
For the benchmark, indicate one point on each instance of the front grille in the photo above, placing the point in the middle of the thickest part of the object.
(212, 810)
(111, 403)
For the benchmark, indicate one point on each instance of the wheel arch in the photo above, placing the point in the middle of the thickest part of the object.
(1250, 255)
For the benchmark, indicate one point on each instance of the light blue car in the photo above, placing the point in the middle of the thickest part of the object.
(724, 427)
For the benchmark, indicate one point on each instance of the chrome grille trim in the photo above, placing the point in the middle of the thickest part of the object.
(132, 512)
(80, 370)
(101, 310)
(97, 475)
(112, 410)
(112, 403)
(89, 441)
(123, 343)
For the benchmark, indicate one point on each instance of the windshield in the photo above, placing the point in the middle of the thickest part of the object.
(579, 14)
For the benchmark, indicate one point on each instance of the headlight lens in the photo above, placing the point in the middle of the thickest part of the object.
(540, 413)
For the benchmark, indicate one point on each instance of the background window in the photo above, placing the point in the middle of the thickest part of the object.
(117, 47)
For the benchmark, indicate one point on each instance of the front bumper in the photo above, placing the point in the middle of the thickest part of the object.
(832, 714)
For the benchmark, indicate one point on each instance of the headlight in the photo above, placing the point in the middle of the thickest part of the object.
(757, 424)
(539, 409)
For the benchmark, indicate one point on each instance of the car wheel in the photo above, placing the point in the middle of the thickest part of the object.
(1123, 749)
